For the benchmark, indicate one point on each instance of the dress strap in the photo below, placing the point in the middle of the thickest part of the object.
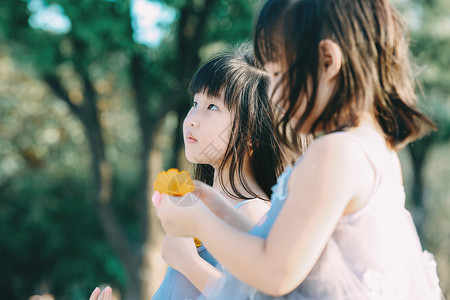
(250, 200)
(378, 177)
(364, 149)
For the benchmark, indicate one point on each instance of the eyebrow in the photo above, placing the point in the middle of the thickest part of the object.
(210, 99)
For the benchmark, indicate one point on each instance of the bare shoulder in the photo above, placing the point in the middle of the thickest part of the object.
(335, 168)
(331, 150)
(254, 209)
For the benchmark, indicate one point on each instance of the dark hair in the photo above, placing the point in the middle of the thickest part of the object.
(244, 87)
(375, 74)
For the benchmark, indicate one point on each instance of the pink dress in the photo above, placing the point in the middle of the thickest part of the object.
(374, 253)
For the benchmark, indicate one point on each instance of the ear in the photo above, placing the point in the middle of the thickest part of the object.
(330, 58)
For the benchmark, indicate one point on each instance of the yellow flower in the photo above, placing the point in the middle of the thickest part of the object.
(197, 242)
(174, 183)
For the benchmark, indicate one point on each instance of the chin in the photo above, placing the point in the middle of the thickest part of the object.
(193, 157)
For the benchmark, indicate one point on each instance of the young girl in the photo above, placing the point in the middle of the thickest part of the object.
(337, 228)
(229, 135)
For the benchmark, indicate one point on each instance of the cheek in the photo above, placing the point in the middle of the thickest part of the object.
(276, 98)
(184, 125)
(219, 136)
(223, 138)
(274, 87)
(276, 92)
(321, 101)
(213, 135)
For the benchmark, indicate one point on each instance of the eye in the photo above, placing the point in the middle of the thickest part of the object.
(276, 74)
(212, 107)
(194, 104)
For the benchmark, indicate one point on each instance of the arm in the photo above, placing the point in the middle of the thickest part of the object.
(199, 273)
(221, 207)
(181, 254)
(325, 183)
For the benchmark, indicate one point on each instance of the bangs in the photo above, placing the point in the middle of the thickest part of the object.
(267, 49)
(225, 77)
(210, 79)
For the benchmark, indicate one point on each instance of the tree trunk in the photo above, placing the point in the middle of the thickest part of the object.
(102, 170)
(102, 176)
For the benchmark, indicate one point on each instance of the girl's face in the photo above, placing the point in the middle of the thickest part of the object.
(324, 91)
(275, 71)
(206, 130)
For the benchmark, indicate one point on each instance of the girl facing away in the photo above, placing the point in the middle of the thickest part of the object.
(229, 136)
(337, 228)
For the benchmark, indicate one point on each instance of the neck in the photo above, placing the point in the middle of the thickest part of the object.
(369, 127)
(227, 186)
(368, 120)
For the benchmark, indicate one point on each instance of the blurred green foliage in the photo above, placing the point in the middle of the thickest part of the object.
(88, 105)
(49, 233)
(75, 101)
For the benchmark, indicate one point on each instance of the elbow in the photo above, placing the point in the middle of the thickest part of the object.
(278, 290)
(279, 285)
(275, 293)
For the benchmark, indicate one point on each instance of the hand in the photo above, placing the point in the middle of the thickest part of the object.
(222, 207)
(212, 198)
(179, 252)
(180, 216)
(178, 222)
(106, 294)
(209, 195)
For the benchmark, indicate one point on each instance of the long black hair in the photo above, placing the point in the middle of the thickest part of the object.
(244, 86)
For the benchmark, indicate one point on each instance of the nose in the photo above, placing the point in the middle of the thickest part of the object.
(191, 120)
(193, 123)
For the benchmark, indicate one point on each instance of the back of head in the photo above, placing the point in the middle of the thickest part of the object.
(375, 72)
(237, 78)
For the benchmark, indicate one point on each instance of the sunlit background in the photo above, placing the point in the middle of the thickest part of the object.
(92, 96)
(147, 18)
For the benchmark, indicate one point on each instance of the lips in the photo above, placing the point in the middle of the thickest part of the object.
(190, 138)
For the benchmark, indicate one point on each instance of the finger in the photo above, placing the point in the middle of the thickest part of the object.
(95, 294)
(210, 196)
(161, 205)
(162, 199)
(186, 200)
(156, 198)
(106, 294)
(204, 191)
